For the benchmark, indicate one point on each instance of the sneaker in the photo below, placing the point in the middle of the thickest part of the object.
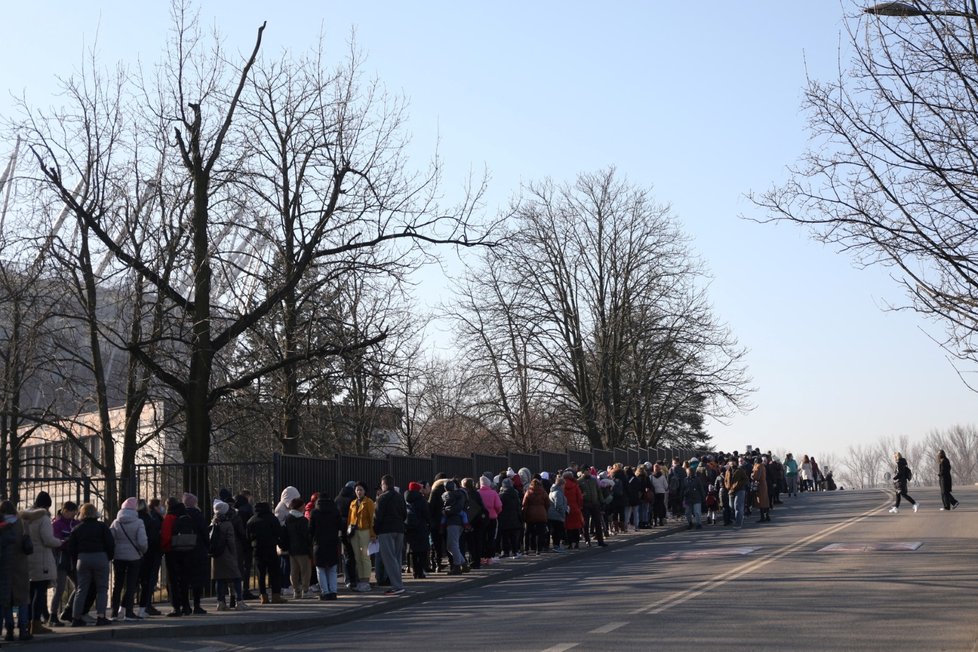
(942, 509)
(894, 510)
(287, 592)
(88, 619)
(132, 618)
(394, 591)
(222, 606)
(78, 622)
(102, 621)
(954, 506)
(241, 606)
(314, 588)
(915, 506)
(176, 613)
(198, 611)
(152, 611)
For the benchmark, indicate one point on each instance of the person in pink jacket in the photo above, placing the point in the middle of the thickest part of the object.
(493, 506)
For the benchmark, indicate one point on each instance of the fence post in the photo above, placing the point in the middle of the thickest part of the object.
(276, 472)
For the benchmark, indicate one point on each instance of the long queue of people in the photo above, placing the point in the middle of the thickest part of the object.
(300, 547)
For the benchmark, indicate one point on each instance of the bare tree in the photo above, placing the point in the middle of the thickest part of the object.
(202, 123)
(892, 175)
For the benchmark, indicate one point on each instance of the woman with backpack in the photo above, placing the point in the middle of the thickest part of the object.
(478, 519)
(18, 546)
(178, 540)
(901, 476)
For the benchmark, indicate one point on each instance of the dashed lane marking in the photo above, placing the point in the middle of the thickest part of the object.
(607, 629)
(710, 552)
(560, 647)
(715, 582)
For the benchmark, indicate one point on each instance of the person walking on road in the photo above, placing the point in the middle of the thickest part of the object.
(944, 477)
(735, 480)
(901, 477)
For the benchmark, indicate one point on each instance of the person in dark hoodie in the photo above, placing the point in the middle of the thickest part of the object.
(390, 513)
(324, 526)
(242, 505)
(901, 476)
(264, 532)
(199, 571)
(346, 496)
(149, 570)
(417, 529)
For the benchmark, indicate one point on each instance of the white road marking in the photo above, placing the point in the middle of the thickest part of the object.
(707, 585)
(560, 647)
(607, 629)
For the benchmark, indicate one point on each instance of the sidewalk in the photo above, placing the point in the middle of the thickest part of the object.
(309, 613)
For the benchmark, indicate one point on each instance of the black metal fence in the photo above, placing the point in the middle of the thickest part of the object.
(266, 480)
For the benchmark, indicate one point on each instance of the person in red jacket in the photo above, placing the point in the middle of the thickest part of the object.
(575, 517)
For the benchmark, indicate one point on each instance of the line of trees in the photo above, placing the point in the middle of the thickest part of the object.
(234, 237)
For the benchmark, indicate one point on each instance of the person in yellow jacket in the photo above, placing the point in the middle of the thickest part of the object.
(360, 527)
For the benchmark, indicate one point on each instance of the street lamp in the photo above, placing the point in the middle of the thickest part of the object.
(906, 9)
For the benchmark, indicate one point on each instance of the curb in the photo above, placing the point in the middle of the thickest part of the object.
(285, 624)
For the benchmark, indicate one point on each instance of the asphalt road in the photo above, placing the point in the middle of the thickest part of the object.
(886, 582)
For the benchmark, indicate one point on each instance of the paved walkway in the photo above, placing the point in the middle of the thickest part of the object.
(299, 614)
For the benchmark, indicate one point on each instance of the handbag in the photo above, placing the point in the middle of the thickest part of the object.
(351, 529)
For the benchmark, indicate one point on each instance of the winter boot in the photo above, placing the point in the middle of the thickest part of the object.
(278, 599)
(37, 627)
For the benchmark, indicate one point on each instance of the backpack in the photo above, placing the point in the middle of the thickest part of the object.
(184, 537)
(216, 542)
(475, 511)
(412, 520)
(908, 473)
(453, 503)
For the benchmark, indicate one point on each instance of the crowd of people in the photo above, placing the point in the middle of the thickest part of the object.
(301, 546)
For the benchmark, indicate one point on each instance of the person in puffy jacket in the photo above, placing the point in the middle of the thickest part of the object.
(93, 545)
(417, 530)
(223, 550)
(454, 519)
(510, 519)
(493, 505)
(360, 526)
(16, 573)
(298, 544)
(557, 514)
(282, 512)
(131, 543)
(325, 526)
(536, 504)
(264, 532)
(43, 566)
(574, 522)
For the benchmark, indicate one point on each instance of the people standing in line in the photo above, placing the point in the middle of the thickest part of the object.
(791, 475)
(390, 514)
(62, 526)
(417, 529)
(178, 537)
(557, 514)
(436, 506)
(244, 508)
(510, 519)
(199, 565)
(297, 543)
(454, 520)
(693, 497)
(149, 569)
(324, 527)
(660, 494)
(222, 547)
(805, 474)
(490, 500)
(944, 478)
(131, 543)
(477, 519)
(360, 529)
(761, 496)
(343, 500)
(92, 544)
(574, 522)
(17, 572)
(735, 481)
(282, 512)
(43, 564)
(536, 504)
(901, 476)
(264, 533)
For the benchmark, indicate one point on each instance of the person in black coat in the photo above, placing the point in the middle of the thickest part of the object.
(242, 505)
(325, 526)
(92, 544)
(149, 570)
(389, 516)
(510, 519)
(264, 533)
(198, 562)
(346, 496)
(417, 529)
(436, 505)
(944, 478)
(901, 476)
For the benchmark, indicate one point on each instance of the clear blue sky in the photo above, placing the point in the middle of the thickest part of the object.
(701, 104)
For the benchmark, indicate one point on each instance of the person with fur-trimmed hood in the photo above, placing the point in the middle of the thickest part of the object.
(43, 565)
